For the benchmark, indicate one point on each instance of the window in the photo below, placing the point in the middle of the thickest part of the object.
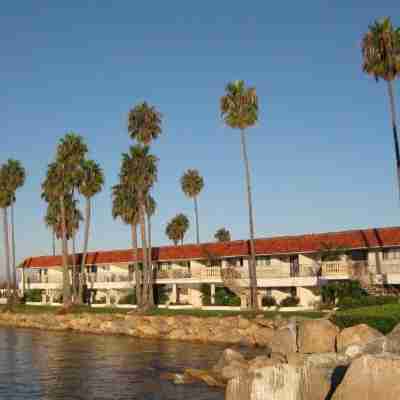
(263, 261)
(391, 254)
(235, 262)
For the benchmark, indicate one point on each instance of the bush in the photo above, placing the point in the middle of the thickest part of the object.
(290, 301)
(160, 294)
(205, 294)
(268, 301)
(224, 297)
(34, 295)
(129, 298)
(366, 301)
(334, 292)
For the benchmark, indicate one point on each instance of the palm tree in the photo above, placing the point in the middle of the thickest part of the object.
(144, 123)
(63, 176)
(151, 207)
(239, 109)
(192, 184)
(381, 58)
(177, 228)
(139, 173)
(222, 235)
(126, 207)
(16, 179)
(91, 183)
(6, 198)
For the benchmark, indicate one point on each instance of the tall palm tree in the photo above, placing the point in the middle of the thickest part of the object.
(139, 173)
(144, 123)
(222, 235)
(192, 184)
(16, 179)
(125, 206)
(381, 58)
(91, 183)
(63, 176)
(177, 228)
(239, 109)
(6, 198)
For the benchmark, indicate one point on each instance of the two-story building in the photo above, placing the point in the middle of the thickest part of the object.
(286, 266)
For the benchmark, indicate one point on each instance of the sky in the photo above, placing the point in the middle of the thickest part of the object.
(321, 153)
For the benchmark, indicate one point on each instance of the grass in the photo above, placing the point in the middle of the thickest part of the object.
(383, 318)
(28, 309)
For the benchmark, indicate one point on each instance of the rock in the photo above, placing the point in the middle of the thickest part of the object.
(204, 376)
(371, 377)
(227, 357)
(317, 336)
(283, 341)
(264, 322)
(261, 362)
(280, 382)
(382, 345)
(280, 357)
(178, 379)
(232, 370)
(243, 323)
(263, 336)
(353, 351)
(356, 335)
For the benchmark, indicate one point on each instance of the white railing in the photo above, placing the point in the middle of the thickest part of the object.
(390, 267)
(335, 268)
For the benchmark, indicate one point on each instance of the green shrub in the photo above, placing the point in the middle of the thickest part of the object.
(366, 301)
(268, 301)
(290, 301)
(34, 295)
(205, 294)
(334, 292)
(129, 298)
(160, 294)
(224, 297)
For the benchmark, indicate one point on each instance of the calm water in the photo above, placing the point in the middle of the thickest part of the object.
(48, 365)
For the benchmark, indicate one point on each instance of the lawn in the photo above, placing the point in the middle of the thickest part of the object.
(383, 318)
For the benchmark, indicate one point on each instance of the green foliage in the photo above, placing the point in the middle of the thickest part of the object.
(222, 235)
(239, 105)
(34, 295)
(160, 294)
(290, 301)
(129, 298)
(333, 292)
(177, 228)
(205, 290)
(366, 301)
(192, 183)
(92, 178)
(268, 301)
(383, 318)
(223, 296)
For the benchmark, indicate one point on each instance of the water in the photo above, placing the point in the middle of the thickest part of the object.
(62, 365)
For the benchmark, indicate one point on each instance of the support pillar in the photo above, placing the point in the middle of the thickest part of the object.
(212, 293)
(108, 298)
(174, 294)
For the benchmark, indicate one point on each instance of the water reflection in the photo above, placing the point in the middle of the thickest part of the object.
(53, 365)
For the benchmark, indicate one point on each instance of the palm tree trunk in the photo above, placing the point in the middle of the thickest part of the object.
(54, 241)
(65, 260)
(88, 211)
(145, 261)
(138, 278)
(74, 268)
(252, 259)
(14, 269)
(196, 212)
(149, 253)
(6, 248)
(394, 127)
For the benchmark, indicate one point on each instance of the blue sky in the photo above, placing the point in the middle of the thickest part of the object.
(321, 155)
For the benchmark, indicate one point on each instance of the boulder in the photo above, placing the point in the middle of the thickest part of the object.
(387, 344)
(283, 341)
(227, 357)
(232, 370)
(262, 361)
(263, 336)
(317, 336)
(356, 335)
(204, 376)
(370, 377)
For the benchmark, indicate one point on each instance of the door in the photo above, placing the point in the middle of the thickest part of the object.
(294, 266)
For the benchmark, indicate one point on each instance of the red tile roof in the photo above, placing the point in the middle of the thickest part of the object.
(354, 239)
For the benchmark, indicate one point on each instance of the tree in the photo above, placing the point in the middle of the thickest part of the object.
(144, 123)
(239, 109)
(177, 228)
(151, 207)
(15, 177)
(222, 235)
(6, 199)
(192, 184)
(63, 176)
(91, 183)
(139, 173)
(381, 58)
(126, 207)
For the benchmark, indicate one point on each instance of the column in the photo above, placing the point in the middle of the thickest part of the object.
(259, 299)
(212, 293)
(174, 294)
(108, 298)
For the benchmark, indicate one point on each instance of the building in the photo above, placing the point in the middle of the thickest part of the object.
(286, 266)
